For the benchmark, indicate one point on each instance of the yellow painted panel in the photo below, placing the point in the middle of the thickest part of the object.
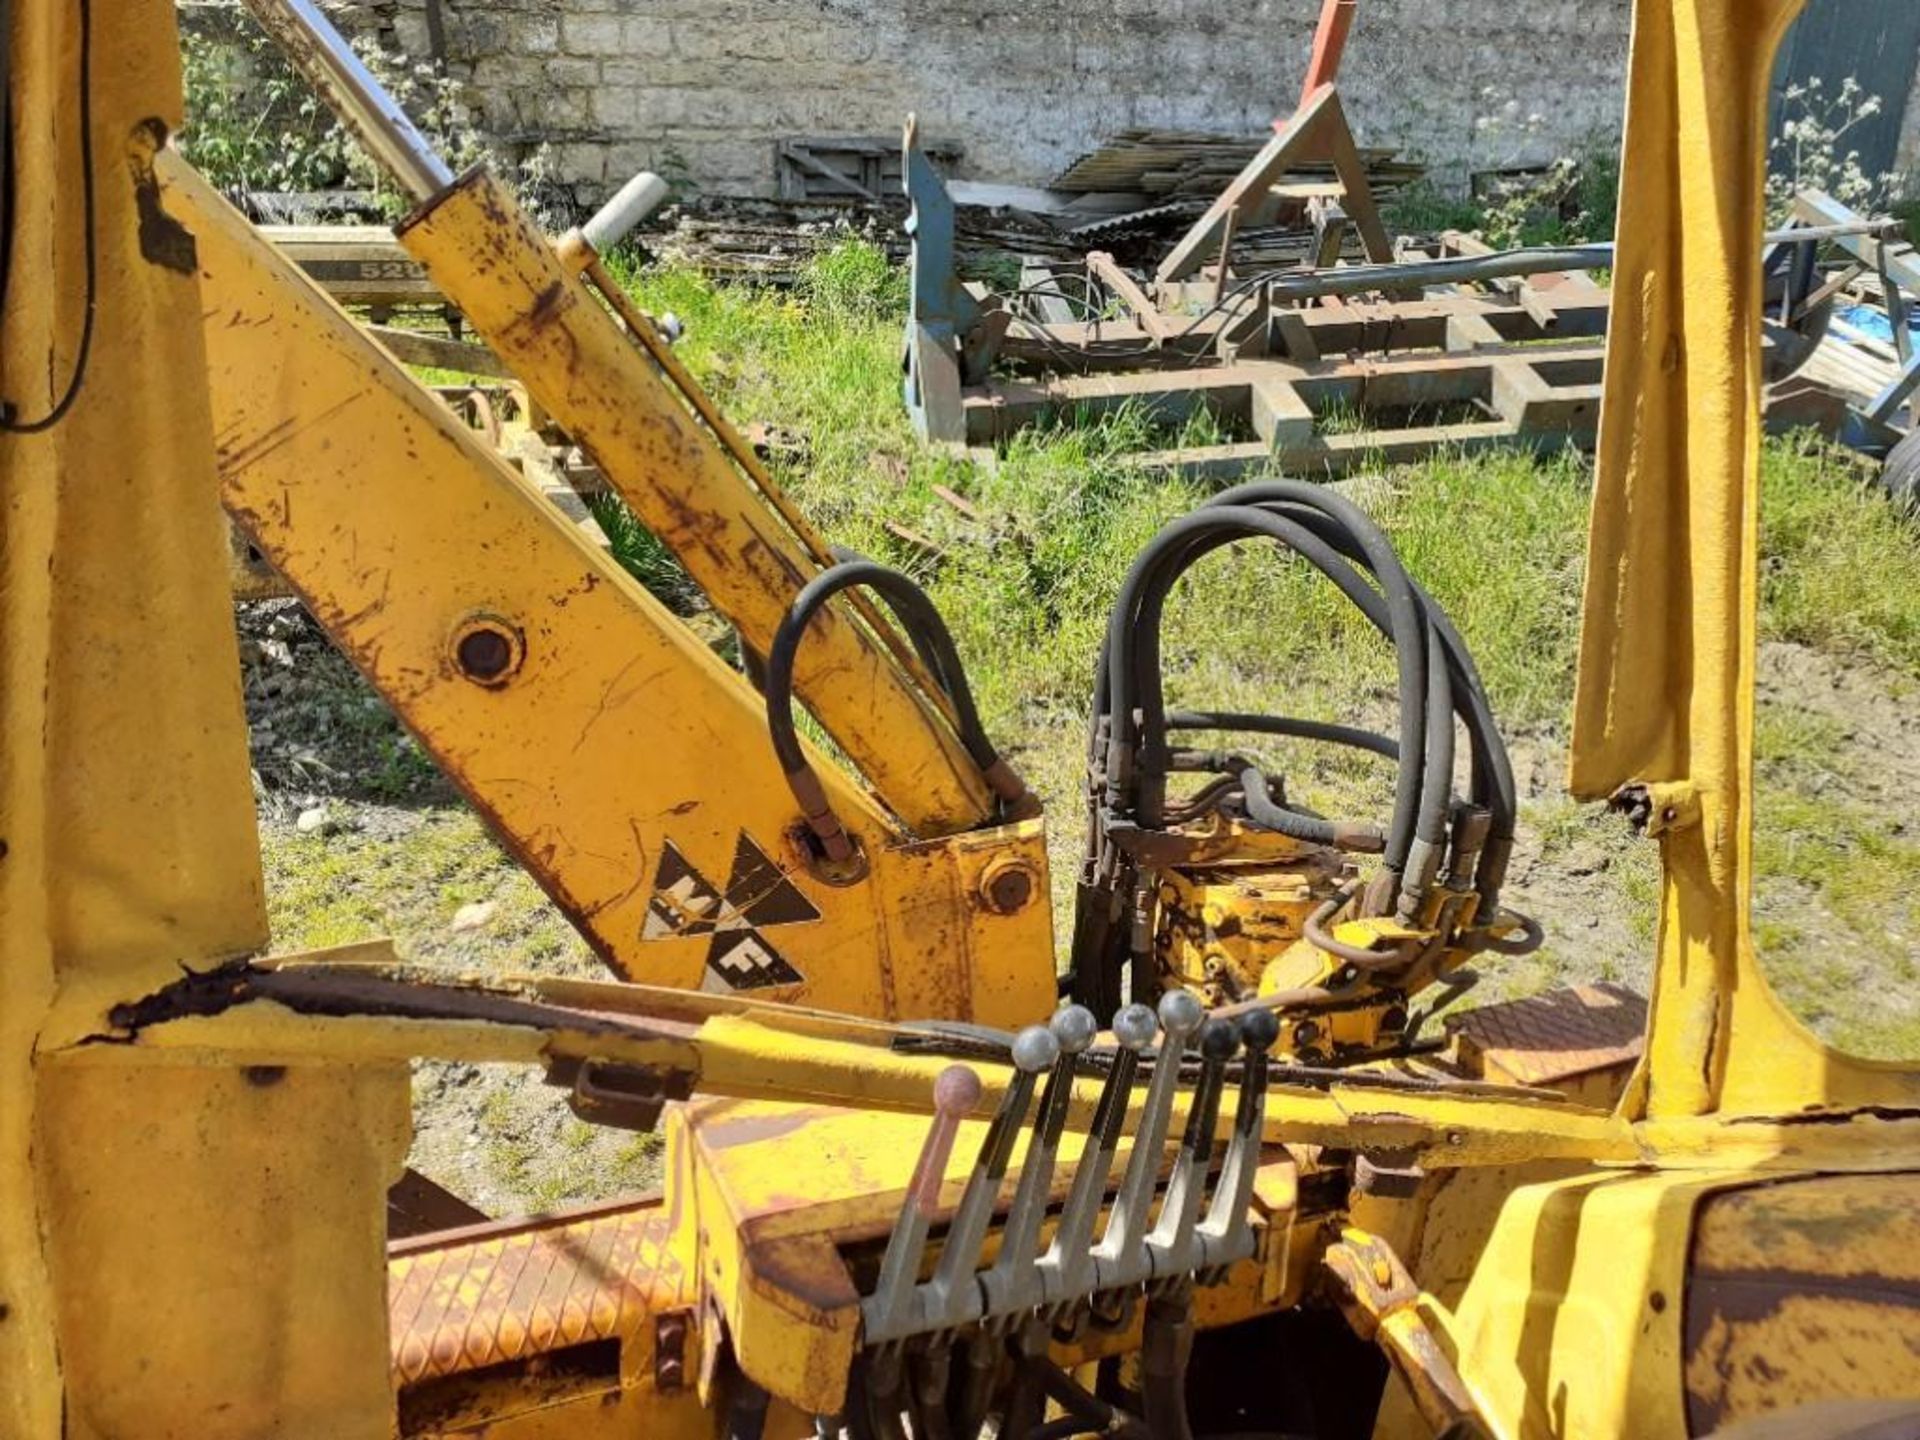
(126, 820)
(1665, 685)
(1570, 1327)
(620, 758)
(218, 1239)
(487, 256)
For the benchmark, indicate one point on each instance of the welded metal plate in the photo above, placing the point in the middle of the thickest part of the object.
(1552, 1038)
(508, 1294)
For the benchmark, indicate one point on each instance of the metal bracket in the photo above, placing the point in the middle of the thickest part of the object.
(942, 318)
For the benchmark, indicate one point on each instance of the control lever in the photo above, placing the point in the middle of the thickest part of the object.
(952, 1297)
(1013, 1283)
(1122, 1258)
(1173, 1248)
(1066, 1270)
(1194, 1235)
(898, 1307)
(888, 1311)
(1224, 1235)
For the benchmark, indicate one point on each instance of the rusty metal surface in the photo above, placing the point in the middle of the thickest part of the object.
(1545, 1039)
(1220, 927)
(1800, 1293)
(608, 683)
(1546, 395)
(505, 1297)
(1381, 1301)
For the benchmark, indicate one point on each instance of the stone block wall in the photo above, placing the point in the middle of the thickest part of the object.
(703, 89)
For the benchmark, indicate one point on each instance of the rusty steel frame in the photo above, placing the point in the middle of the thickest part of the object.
(1546, 396)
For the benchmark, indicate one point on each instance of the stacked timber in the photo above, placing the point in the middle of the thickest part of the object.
(1176, 164)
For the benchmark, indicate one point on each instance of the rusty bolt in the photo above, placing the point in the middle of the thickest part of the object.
(1007, 885)
(1305, 1034)
(487, 650)
(670, 1351)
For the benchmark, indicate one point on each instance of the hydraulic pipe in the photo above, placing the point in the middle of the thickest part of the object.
(578, 362)
(1503, 264)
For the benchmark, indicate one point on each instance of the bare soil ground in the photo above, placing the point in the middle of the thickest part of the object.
(361, 837)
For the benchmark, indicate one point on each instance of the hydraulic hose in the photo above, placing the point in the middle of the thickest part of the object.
(1135, 685)
(1129, 757)
(1345, 529)
(931, 641)
(1492, 782)
(1084, 1412)
(1262, 809)
(1286, 727)
(1166, 1345)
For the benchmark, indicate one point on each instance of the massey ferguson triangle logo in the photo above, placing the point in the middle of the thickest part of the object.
(757, 896)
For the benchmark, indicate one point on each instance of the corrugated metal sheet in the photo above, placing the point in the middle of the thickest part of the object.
(1875, 42)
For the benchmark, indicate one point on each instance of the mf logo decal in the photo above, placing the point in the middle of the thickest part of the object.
(757, 897)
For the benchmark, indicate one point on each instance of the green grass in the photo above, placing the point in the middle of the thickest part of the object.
(1423, 208)
(408, 882)
(1542, 215)
(1840, 566)
(644, 555)
(1026, 581)
(1498, 538)
(548, 1170)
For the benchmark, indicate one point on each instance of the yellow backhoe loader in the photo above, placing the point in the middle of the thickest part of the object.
(908, 1190)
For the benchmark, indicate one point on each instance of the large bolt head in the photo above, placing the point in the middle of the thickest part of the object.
(1007, 885)
(1180, 1013)
(1134, 1026)
(1035, 1049)
(1074, 1027)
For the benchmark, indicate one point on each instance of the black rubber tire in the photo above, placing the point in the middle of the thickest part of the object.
(1900, 476)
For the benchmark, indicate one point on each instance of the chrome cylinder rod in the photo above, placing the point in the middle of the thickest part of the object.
(322, 55)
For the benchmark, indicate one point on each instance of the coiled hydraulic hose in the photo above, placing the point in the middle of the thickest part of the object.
(1438, 689)
(1491, 784)
(931, 640)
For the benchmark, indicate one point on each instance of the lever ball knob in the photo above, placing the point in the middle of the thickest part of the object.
(1259, 1029)
(1134, 1026)
(956, 1091)
(1035, 1049)
(1180, 1014)
(1218, 1040)
(1073, 1027)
